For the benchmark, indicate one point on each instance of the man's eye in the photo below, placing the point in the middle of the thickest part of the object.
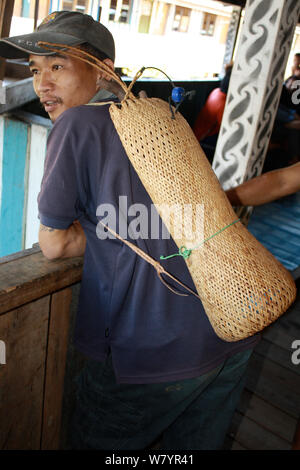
(57, 67)
(34, 71)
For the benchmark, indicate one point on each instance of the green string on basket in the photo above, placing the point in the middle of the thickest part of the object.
(186, 252)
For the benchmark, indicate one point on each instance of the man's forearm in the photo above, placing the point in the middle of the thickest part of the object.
(62, 243)
(267, 187)
(251, 193)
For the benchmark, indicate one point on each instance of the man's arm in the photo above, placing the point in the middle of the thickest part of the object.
(267, 187)
(67, 243)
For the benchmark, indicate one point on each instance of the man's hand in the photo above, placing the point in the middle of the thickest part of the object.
(67, 243)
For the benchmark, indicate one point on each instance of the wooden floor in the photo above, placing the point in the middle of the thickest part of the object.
(268, 413)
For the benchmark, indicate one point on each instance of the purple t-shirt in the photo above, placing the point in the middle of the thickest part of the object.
(153, 334)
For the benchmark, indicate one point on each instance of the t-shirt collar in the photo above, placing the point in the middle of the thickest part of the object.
(102, 95)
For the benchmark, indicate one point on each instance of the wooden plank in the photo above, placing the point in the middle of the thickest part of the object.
(20, 254)
(281, 334)
(277, 354)
(31, 277)
(38, 142)
(15, 137)
(291, 321)
(251, 436)
(17, 94)
(267, 416)
(274, 384)
(24, 332)
(16, 69)
(6, 11)
(1, 148)
(55, 368)
(75, 362)
(296, 273)
(32, 118)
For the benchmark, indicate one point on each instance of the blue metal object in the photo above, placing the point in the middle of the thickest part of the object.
(178, 94)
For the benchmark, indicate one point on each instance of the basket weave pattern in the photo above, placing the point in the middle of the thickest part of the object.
(242, 286)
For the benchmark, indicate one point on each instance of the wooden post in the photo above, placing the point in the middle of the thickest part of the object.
(231, 37)
(36, 13)
(6, 11)
(55, 368)
(254, 90)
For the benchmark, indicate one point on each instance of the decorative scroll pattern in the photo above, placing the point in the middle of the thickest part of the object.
(255, 89)
(231, 37)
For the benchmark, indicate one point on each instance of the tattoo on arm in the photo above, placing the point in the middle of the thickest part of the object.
(43, 228)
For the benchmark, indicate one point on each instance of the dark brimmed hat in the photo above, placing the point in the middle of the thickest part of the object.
(64, 27)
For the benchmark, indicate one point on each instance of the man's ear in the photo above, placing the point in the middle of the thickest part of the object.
(103, 75)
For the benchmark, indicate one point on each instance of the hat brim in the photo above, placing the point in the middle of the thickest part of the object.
(19, 47)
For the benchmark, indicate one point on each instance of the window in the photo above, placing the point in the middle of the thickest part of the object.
(181, 19)
(73, 5)
(145, 16)
(208, 25)
(119, 11)
(112, 10)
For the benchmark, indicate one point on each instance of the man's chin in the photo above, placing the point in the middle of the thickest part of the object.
(55, 113)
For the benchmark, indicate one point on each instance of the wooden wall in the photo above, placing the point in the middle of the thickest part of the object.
(22, 153)
(6, 10)
(35, 312)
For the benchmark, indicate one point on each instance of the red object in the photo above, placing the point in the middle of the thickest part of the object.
(209, 119)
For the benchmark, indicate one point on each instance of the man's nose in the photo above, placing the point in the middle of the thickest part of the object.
(45, 83)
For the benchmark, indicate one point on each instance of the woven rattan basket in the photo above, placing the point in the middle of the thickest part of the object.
(242, 286)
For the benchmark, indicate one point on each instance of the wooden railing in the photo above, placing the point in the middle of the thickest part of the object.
(38, 301)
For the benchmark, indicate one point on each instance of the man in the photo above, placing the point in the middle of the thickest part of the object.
(208, 122)
(154, 364)
(267, 187)
(209, 119)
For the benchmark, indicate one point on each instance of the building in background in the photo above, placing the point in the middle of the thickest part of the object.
(184, 38)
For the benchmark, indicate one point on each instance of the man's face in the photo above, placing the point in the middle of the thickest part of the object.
(62, 82)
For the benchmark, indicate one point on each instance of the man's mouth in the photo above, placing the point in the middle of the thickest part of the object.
(51, 104)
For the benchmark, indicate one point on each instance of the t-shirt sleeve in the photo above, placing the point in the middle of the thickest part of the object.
(60, 200)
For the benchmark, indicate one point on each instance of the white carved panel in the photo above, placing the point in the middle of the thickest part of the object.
(255, 88)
